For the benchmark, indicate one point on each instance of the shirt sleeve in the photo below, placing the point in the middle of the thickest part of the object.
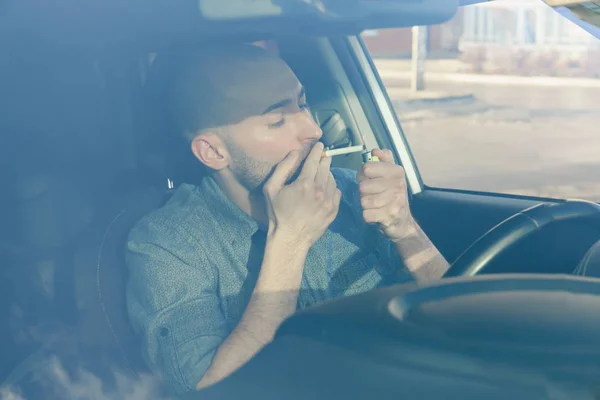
(390, 266)
(173, 302)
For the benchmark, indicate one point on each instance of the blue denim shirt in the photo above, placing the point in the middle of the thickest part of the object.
(194, 262)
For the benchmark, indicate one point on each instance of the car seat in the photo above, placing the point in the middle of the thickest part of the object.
(105, 333)
(108, 342)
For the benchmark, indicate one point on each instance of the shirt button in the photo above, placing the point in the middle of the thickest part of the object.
(164, 332)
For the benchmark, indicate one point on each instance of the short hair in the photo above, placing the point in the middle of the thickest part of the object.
(179, 101)
(195, 99)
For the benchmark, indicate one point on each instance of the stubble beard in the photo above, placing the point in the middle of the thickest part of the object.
(253, 173)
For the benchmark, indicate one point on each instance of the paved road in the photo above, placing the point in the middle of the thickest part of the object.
(531, 140)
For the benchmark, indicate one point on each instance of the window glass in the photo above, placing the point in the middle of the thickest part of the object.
(508, 101)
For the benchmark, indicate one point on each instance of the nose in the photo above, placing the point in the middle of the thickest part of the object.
(308, 129)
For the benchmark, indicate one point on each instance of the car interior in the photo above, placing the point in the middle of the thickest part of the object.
(87, 192)
(81, 165)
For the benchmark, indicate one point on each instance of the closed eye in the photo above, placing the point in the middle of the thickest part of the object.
(302, 104)
(278, 124)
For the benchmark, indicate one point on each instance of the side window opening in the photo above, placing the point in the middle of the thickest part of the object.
(503, 99)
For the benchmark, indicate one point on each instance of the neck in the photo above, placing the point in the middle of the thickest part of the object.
(251, 202)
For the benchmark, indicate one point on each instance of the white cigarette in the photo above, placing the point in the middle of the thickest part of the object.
(343, 150)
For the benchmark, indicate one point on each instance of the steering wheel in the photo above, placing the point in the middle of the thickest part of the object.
(519, 227)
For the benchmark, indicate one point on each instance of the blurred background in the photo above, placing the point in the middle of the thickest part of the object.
(503, 98)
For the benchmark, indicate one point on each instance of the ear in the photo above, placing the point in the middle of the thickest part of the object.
(210, 150)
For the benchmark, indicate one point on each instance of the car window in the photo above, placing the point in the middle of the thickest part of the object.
(507, 102)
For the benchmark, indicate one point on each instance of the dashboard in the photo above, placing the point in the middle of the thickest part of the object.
(494, 336)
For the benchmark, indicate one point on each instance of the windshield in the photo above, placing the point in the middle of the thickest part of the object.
(170, 202)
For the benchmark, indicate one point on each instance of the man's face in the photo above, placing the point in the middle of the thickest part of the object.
(252, 107)
(257, 144)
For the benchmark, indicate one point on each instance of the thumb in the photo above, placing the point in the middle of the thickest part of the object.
(282, 172)
(384, 155)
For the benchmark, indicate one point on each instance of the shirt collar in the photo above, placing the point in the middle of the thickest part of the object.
(228, 214)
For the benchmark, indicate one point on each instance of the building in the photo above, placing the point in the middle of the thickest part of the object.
(527, 25)
(397, 42)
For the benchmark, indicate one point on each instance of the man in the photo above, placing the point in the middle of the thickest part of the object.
(270, 229)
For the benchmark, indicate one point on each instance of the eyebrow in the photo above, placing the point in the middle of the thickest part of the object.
(284, 103)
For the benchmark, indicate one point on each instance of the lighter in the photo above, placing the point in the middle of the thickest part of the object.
(368, 157)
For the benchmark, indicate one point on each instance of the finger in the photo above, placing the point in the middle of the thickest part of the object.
(388, 214)
(381, 170)
(381, 200)
(323, 172)
(331, 186)
(311, 164)
(282, 173)
(379, 216)
(384, 155)
(374, 216)
(378, 185)
(360, 176)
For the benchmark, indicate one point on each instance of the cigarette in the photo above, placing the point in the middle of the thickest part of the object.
(344, 150)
